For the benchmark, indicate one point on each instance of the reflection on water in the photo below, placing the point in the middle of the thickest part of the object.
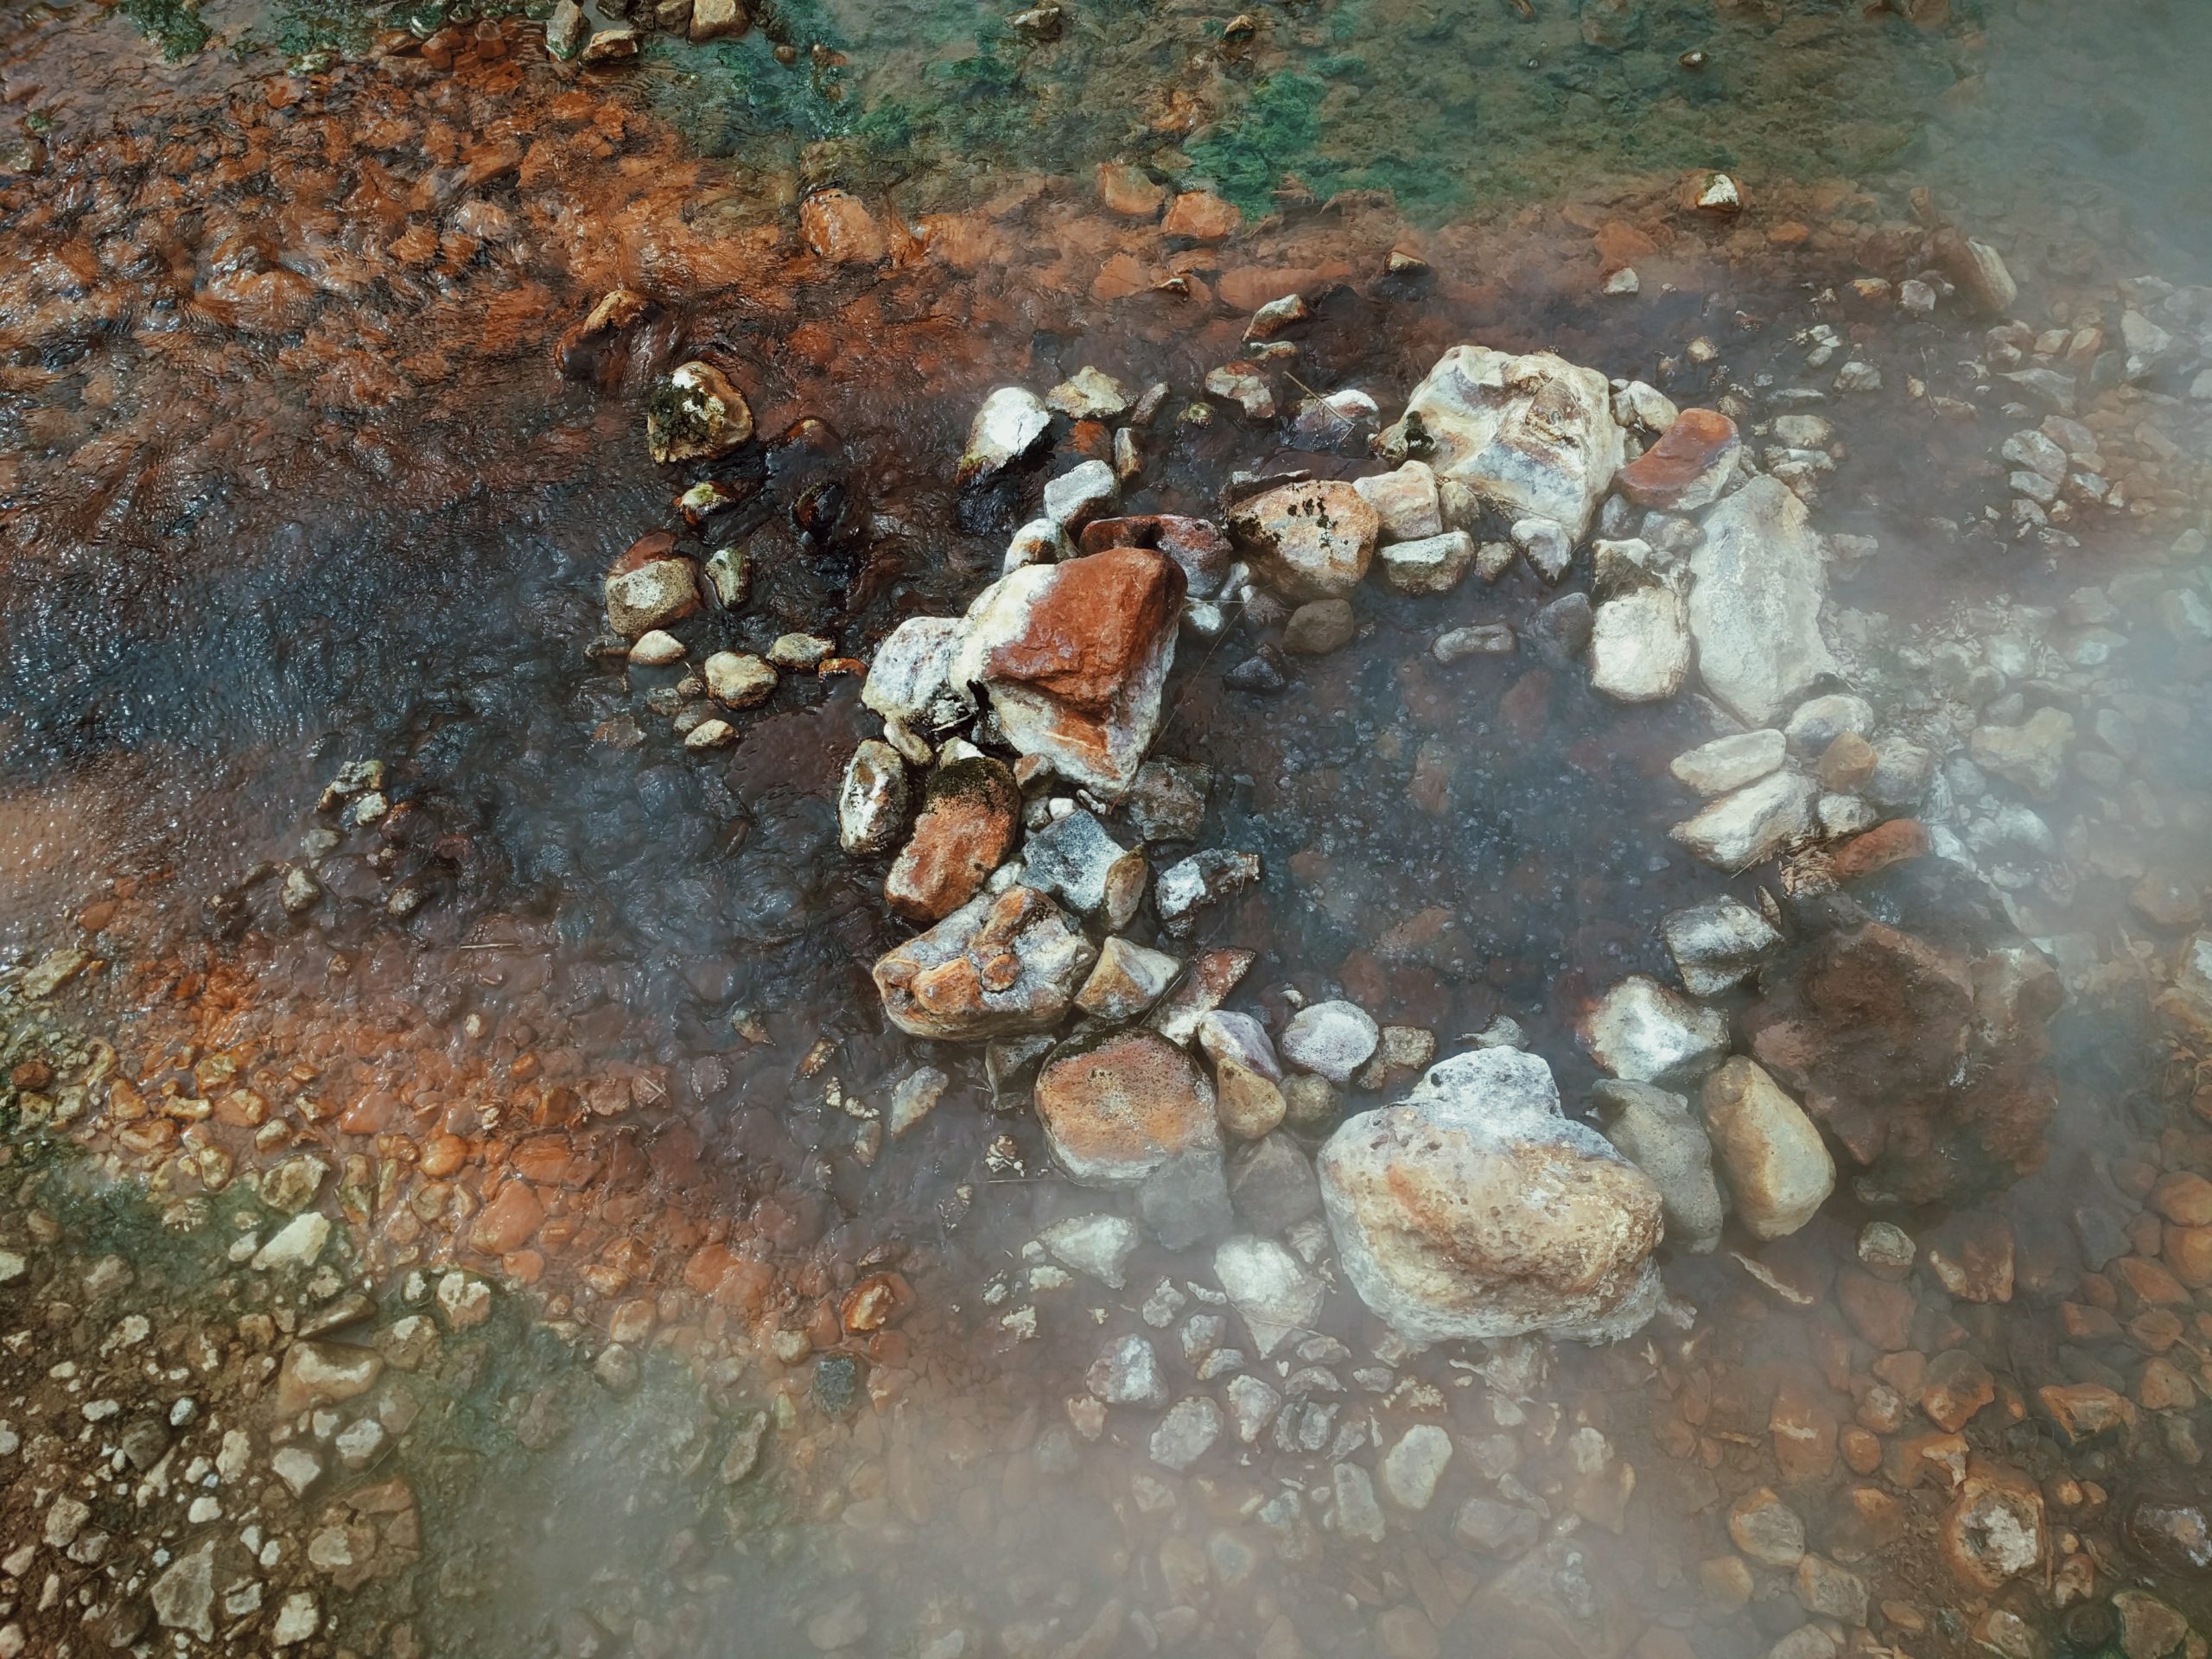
(292, 481)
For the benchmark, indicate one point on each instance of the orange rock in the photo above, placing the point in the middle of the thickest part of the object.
(2082, 1410)
(1129, 191)
(2188, 1255)
(837, 227)
(2183, 1199)
(1687, 468)
(509, 1221)
(1619, 243)
(1202, 216)
(970, 816)
(1898, 842)
(1790, 233)
(1880, 1312)
(875, 1301)
(443, 1155)
(2150, 1282)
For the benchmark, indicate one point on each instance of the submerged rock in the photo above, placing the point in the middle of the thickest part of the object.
(1778, 1169)
(1130, 1110)
(1310, 541)
(1248, 1078)
(1434, 564)
(1075, 658)
(971, 813)
(697, 414)
(1719, 944)
(1270, 1290)
(1001, 964)
(1474, 1209)
(651, 595)
(1755, 602)
(1532, 436)
(1642, 1031)
(1655, 1131)
(1729, 763)
(1331, 1040)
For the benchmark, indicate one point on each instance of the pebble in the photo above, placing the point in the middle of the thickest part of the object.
(1412, 1469)
(1331, 1039)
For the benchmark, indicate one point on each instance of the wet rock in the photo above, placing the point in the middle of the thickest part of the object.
(1201, 216)
(565, 30)
(872, 799)
(1358, 1516)
(324, 1374)
(1640, 646)
(800, 653)
(1474, 1209)
(1402, 1053)
(1271, 1290)
(1505, 1530)
(1126, 1373)
(1248, 1079)
(1186, 1434)
(1331, 1040)
(738, 678)
(716, 19)
(1244, 384)
(1272, 1186)
(1767, 1529)
(655, 648)
(1485, 640)
(2149, 1629)
(1405, 502)
(837, 1384)
(617, 45)
(1547, 546)
(1168, 802)
(1074, 858)
(1129, 979)
(838, 229)
(1777, 1170)
(1079, 495)
(1127, 189)
(914, 1097)
(1264, 671)
(295, 1245)
(1204, 878)
(1100, 1246)
(1007, 428)
(1213, 975)
(1755, 602)
(1560, 631)
(1089, 394)
(183, 1596)
(1644, 1032)
(697, 414)
(1717, 944)
(1729, 763)
(1312, 540)
(651, 595)
(1817, 723)
(1655, 1131)
(1319, 627)
(1075, 658)
(1751, 825)
(1434, 564)
(1533, 436)
(970, 816)
(1197, 544)
(2031, 754)
(1979, 271)
(1688, 468)
(1117, 1111)
(1002, 963)
(1413, 1468)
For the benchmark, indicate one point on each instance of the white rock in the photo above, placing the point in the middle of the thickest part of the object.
(1187, 1433)
(297, 1243)
(1637, 404)
(914, 1097)
(1089, 394)
(655, 648)
(1818, 721)
(1252, 1407)
(1719, 944)
(1545, 544)
(1331, 1039)
(1755, 602)
(1751, 825)
(1644, 1032)
(1655, 1131)
(1434, 564)
(910, 681)
(1405, 500)
(1533, 435)
(1359, 1516)
(738, 678)
(1005, 428)
(1729, 763)
(296, 1620)
(1081, 494)
(872, 799)
(1100, 1246)
(1269, 1288)
(1412, 1468)
(1640, 646)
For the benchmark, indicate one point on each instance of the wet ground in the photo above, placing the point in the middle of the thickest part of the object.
(582, 1034)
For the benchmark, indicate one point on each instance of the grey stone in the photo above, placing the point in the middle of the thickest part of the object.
(1188, 1433)
(1100, 1246)
(1271, 1290)
(1642, 1030)
(1126, 1373)
(1717, 944)
(1729, 763)
(1751, 825)
(1331, 1040)
(1655, 1131)
(1755, 602)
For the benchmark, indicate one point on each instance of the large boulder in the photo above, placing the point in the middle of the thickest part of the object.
(1075, 658)
(1755, 602)
(1925, 1065)
(1532, 436)
(1474, 1209)
(1001, 964)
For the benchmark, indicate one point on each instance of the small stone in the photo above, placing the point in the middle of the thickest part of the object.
(1331, 1039)
(1729, 763)
(1359, 1516)
(1776, 1167)
(1642, 1030)
(872, 799)
(1319, 627)
(655, 648)
(1655, 1131)
(1431, 564)
(1089, 394)
(1310, 540)
(1719, 944)
(1751, 825)
(1767, 1529)
(1129, 979)
(1544, 543)
(1186, 1434)
(1271, 1290)
(695, 415)
(1100, 1246)
(652, 595)
(1484, 639)
(1640, 646)
(1406, 502)
(739, 678)
(1412, 1469)
(1007, 427)
(1126, 1373)
(1081, 494)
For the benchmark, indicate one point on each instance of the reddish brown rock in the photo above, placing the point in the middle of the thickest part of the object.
(1972, 1257)
(1804, 1431)
(999, 965)
(1994, 1529)
(837, 227)
(1958, 1386)
(1197, 544)
(1129, 191)
(2084, 1410)
(1899, 841)
(1880, 1312)
(1925, 1067)
(2188, 1252)
(1075, 658)
(1115, 1111)
(1686, 469)
(970, 816)
(509, 1221)
(1202, 216)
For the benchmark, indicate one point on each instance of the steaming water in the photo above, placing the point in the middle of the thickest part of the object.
(279, 497)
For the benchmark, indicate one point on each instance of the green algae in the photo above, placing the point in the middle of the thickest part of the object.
(173, 25)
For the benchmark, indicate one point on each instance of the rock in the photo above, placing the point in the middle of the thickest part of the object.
(1271, 1290)
(1434, 564)
(697, 414)
(1248, 1079)
(1689, 466)
(1126, 1373)
(1655, 1131)
(324, 1374)
(1777, 1170)
(1752, 824)
(1100, 1246)
(970, 816)
(1474, 1209)
(1533, 436)
(2149, 1629)
(1755, 602)
(1979, 271)
(1932, 1081)
(1075, 658)
(611, 46)
(1213, 975)
(910, 682)
(1412, 1469)
(1405, 502)
(715, 19)
(710, 734)
(1331, 1040)
(1640, 646)
(295, 1245)
(1074, 858)
(1081, 494)
(729, 573)
(1505, 1530)
(1244, 384)
(872, 799)
(738, 678)
(838, 229)
(565, 30)
(1358, 1517)
(1486, 640)
(800, 653)
(1129, 979)
(297, 1619)
(1202, 878)
(1559, 1601)
(1719, 944)
(1201, 216)
(1197, 544)
(914, 1097)
(655, 648)
(1767, 1529)
(1729, 763)
(1007, 428)
(651, 595)
(2032, 754)
(1118, 1110)
(1168, 802)
(291, 1183)
(1547, 546)
(183, 1596)
(1642, 1031)
(1319, 627)
(1402, 1053)
(1310, 541)
(1186, 1434)
(1001, 964)
(1089, 394)
(1272, 1186)
(1819, 721)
